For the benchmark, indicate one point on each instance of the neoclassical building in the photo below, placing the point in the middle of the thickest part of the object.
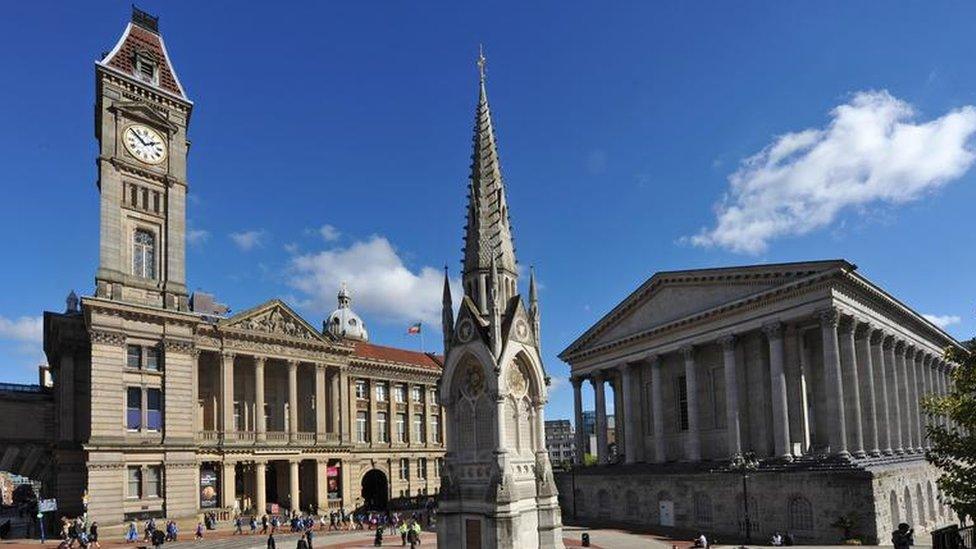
(163, 405)
(809, 367)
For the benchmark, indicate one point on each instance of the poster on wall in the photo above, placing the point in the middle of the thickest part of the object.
(332, 480)
(208, 489)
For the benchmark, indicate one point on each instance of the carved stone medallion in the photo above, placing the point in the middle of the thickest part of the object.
(465, 330)
(515, 379)
(474, 381)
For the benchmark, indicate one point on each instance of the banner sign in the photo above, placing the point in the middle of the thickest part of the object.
(208, 489)
(332, 482)
(47, 505)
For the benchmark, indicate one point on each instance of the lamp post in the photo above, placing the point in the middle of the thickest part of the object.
(743, 465)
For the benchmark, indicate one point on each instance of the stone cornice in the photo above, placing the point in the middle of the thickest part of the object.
(131, 311)
(107, 337)
(139, 91)
(391, 370)
(124, 166)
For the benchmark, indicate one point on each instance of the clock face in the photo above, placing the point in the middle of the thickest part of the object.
(144, 143)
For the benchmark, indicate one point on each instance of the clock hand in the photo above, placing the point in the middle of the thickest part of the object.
(139, 138)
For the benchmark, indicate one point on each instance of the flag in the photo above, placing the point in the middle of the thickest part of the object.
(413, 329)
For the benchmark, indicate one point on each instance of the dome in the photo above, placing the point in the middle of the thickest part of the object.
(343, 322)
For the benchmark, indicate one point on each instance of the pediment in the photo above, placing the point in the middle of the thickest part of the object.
(273, 318)
(141, 111)
(517, 326)
(670, 296)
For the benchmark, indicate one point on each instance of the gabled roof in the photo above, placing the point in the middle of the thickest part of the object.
(750, 279)
(373, 352)
(141, 36)
(276, 318)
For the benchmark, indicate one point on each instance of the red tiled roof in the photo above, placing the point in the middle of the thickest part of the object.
(141, 40)
(370, 351)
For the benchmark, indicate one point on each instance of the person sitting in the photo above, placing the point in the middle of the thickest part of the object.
(777, 540)
(701, 541)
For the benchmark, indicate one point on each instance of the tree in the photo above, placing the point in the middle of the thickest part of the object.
(954, 440)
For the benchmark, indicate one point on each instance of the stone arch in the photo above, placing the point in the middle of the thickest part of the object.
(375, 486)
(604, 509)
(471, 414)
(931, 500)
(909, 512)
(800, 513)
(893, 506)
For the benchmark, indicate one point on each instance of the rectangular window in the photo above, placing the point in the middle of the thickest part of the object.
(361, 423)
(382, 427)
(154, 482)
(404, 469)
(400, 393)
(416, 394)
(133, 356)
(154, 409)
(361, 393)
(682, 401)
(435, 428)
(422, 468)
(435, 397)
(381, 392)
(401, 427)
(418, 428)
(438, 466)
(134, 490)
(133, 408)
(152, 358)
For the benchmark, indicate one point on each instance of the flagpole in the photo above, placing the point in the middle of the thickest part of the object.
(421, 338)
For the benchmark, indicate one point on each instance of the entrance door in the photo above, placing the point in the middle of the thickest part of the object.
(472, 534)
(375, 490)
(666, 509)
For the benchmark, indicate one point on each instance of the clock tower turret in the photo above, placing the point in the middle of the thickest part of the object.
(141, 118)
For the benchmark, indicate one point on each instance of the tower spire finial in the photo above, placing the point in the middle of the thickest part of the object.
(482, 62)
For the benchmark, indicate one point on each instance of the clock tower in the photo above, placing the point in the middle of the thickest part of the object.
(141, 118)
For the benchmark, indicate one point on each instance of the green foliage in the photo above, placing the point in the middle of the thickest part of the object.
(954, 444)
(589, 459)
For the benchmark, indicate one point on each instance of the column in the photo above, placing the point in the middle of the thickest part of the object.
(428, 436)
(927, 363)
(630, 432)
(322, 485)
(293, 400)
(777, 377)
(796, 402)
(874, 339)
(657, 409)
(260, 491)
(693, 440)
(601, 417)
(410, 434)
(578, 419)
(228, 485)
(320, 407)
(334, 407)
(345, 406)
(915, 365)
(227, 393)
(894, 394)
(195, 390)
(865, 380)
(833, 384)
(259, 419)
(904, 398)
(619, 413)
(732, 432)
(294, 498)
(852, 392)
(942, 371)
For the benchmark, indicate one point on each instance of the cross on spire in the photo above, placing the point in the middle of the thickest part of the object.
(482, 62)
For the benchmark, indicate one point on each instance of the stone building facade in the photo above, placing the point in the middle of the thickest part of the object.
(497, 487)
(163, 408)
(809, 367)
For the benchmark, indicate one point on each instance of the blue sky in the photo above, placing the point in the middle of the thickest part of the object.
(649, 137)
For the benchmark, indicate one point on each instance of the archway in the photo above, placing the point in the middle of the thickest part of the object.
(375, 490)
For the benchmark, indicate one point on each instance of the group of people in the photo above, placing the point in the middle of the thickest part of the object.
(153, 534)
(77, 531)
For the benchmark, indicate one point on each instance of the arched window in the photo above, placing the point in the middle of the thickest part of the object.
(801, 513)
(909, 512)
(703, 508)
(144, 254)
(928, 488)
(920, 501)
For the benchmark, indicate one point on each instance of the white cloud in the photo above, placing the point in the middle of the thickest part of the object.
(383, 288)
(329, 233)
(943, 321)
(197, 236)
(872, 152)
(26, 328)
(248, 240)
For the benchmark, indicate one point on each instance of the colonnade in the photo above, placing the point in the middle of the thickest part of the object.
(865, 401)
(260, 468)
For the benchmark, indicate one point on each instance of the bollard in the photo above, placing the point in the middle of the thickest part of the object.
(585, 538)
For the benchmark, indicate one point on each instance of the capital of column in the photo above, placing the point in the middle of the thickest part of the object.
(654, 360)
(228, 355)
(846, 324)
(829, 317)
(576, 381)
(862, 329)
(876, 335)
(900, 347)
(910, 351)
(292, 364)
(773, 330)
(598, 376)
(622, 366)
(687, 351)
(927, 359)
(259, 360)
(727, 342)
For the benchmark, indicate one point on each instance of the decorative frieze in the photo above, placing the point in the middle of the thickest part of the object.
(106, 337)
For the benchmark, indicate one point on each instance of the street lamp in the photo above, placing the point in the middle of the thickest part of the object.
(743, 465)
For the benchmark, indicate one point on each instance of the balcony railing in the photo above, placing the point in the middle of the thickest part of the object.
(274, 438)
(305, 438)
